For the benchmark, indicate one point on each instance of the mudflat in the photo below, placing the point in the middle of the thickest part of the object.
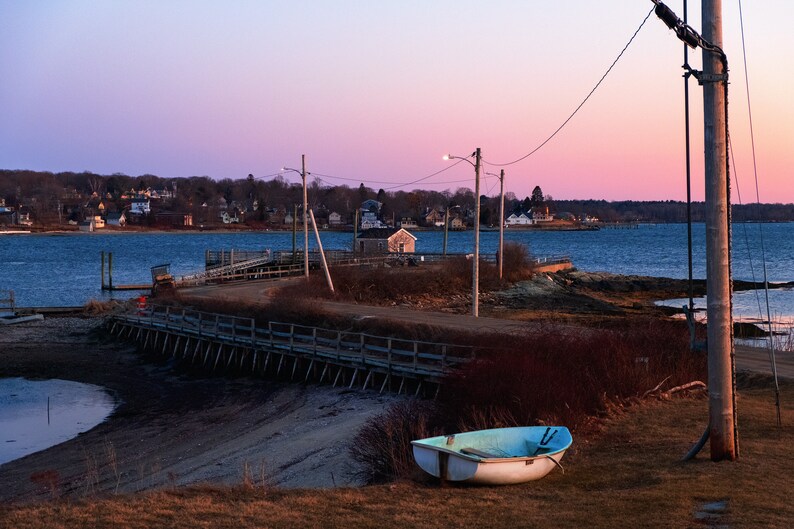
(171, 428)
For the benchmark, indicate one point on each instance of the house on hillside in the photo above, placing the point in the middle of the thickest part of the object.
(385, 240)
(370, 211)
(140, 206)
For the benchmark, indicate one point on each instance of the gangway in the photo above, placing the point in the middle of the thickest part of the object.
(219, 272)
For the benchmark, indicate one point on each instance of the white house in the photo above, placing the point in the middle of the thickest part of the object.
(334, 218)
(140, 206)
(518, 219)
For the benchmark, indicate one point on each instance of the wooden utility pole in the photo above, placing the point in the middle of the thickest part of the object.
(501, 221)
(722, 410)
(475, 288)
(446, 230)
(305, 220)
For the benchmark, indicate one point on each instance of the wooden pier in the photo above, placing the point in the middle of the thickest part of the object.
(223, 344)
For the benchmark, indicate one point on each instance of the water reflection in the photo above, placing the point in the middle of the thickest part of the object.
(37, 414)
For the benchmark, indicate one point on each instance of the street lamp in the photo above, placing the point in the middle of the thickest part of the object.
(302, 172)
(500, 257)
(475, 272)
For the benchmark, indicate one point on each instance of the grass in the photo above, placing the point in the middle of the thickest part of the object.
(627, 475)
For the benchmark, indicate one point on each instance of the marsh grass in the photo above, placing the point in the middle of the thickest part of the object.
(627, 474)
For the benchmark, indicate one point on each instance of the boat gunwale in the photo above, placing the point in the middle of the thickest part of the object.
(478, 459)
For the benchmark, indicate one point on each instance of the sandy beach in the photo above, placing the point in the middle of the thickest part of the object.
(173, 429)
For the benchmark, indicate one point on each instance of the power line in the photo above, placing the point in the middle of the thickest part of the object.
(547, 140)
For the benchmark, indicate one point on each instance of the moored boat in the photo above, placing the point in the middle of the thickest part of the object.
(500, 456)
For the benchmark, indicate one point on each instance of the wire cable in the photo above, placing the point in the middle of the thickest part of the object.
(547, 140)
(760, 230)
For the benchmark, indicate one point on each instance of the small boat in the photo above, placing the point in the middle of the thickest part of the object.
(502, 456)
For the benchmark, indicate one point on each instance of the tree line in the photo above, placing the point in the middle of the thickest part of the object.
(47, 195)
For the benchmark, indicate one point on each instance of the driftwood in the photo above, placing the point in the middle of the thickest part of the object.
(669, 392)
(689, 385)
(654, 390)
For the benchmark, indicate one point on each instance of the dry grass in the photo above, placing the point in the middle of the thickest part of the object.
(629, 475)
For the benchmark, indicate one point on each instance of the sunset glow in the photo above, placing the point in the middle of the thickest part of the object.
(375, 92)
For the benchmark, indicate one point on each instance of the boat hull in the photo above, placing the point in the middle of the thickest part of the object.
(503, 456)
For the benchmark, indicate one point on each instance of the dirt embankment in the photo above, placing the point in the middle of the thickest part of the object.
(173, 429)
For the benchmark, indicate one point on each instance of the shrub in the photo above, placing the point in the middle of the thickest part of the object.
(547, 378)
(383, 444)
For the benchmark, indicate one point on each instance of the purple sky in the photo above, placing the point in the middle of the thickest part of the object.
(377, 92)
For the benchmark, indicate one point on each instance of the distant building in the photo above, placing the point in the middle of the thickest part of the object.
(116, 218)
(140, 206)
(434, 218)
(541, 215)
(518, 219)
(334, 218)
(86, 225)
(385, 240)
(408, 222)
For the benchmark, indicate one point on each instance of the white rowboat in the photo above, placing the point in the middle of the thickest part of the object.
(501, 456)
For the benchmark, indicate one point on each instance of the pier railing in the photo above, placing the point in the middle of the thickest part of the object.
(220, 339)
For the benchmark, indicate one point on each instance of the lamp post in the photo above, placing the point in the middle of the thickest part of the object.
(500, 256)
(302, 172)
(475, 272)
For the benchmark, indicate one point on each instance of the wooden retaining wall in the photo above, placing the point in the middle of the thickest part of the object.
(221, 344)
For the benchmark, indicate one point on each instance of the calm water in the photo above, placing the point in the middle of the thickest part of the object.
(64, 269)
(26, 426)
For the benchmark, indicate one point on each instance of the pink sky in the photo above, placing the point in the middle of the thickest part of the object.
(379, 91)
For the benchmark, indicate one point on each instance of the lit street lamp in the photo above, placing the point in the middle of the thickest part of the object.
(475, 287)
(302, 172)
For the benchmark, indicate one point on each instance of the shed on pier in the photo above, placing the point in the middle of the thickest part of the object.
(385, 240)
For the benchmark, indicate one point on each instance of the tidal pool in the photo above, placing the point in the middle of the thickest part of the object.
(37, 414)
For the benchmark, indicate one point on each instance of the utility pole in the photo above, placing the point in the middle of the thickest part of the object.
(722, 409)
(475, 289)
(305, 220)
(501, 221)
(446, 229)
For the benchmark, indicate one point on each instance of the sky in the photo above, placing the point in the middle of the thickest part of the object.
(377, 92)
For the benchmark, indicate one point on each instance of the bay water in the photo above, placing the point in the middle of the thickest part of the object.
(63, 269)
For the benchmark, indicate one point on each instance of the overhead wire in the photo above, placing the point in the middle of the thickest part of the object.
(564, 123)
